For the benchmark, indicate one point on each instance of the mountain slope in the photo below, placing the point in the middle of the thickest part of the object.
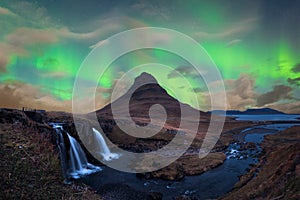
(145, 96)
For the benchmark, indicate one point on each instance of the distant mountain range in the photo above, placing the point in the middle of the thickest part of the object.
(258, 111)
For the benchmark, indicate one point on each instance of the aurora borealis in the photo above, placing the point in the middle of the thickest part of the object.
(255, 45)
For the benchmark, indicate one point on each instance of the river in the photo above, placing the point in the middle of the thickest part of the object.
(211, 184)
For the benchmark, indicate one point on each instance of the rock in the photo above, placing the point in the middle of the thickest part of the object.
(13, 116)
(248, 145)
(276, 176)
(155, 196)
(297, 170)
(183, 197)
(173, 172)
(189, 165)
(119, 191)
(146, 175)
(35, 116)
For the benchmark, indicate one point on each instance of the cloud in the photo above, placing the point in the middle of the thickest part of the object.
(185, 70)
(31, 36)
(18, 39)
(278, 93)
(98, 44)
(233, 42)
(5, 11)
(240, 92)
(296, 68)
(3, 62)
(96, 34)
(150, 9)
(239, 28)
(32, 14)
(17, 42)
(6, 50)
(18, 95)
(198, 89)
(55, 75)
(294, 81)
(241, 95)
(35, 26)
(28, 36)
(290, 107)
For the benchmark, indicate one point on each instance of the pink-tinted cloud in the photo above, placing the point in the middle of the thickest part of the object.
(5, 11)
(18, 95)
(29, 36)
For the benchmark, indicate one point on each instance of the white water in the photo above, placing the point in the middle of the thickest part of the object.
(78, 161)
(105, 152)
(76, 164)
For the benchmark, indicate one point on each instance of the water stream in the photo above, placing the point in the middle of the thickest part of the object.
(211, 184)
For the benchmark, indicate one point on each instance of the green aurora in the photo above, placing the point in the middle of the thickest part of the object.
(258, 39)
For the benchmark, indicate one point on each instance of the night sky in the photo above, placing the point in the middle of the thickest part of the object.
(255, 45)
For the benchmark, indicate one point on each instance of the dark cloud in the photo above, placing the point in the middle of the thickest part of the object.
(290, 107)
(278, 93)
(296, 68)
(198, 89)
(182, 70)
(294, 81)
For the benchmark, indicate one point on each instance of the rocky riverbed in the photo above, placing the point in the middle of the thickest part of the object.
(277, 175)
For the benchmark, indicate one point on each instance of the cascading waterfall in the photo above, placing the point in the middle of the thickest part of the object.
(105, 152)
(62, 150)
(73, 159)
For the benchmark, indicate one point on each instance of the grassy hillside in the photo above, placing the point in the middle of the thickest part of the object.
(29, 164)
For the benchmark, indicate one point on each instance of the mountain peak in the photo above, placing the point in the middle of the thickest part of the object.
(143, 94)
(144, 78)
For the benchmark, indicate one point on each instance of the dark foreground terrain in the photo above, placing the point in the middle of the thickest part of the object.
(277, 175)
(30, 167)
(29, 162)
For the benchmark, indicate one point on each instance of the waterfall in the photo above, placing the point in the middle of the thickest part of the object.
(73, 159)
(62, 150)
(105, 152)
(78, 161)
